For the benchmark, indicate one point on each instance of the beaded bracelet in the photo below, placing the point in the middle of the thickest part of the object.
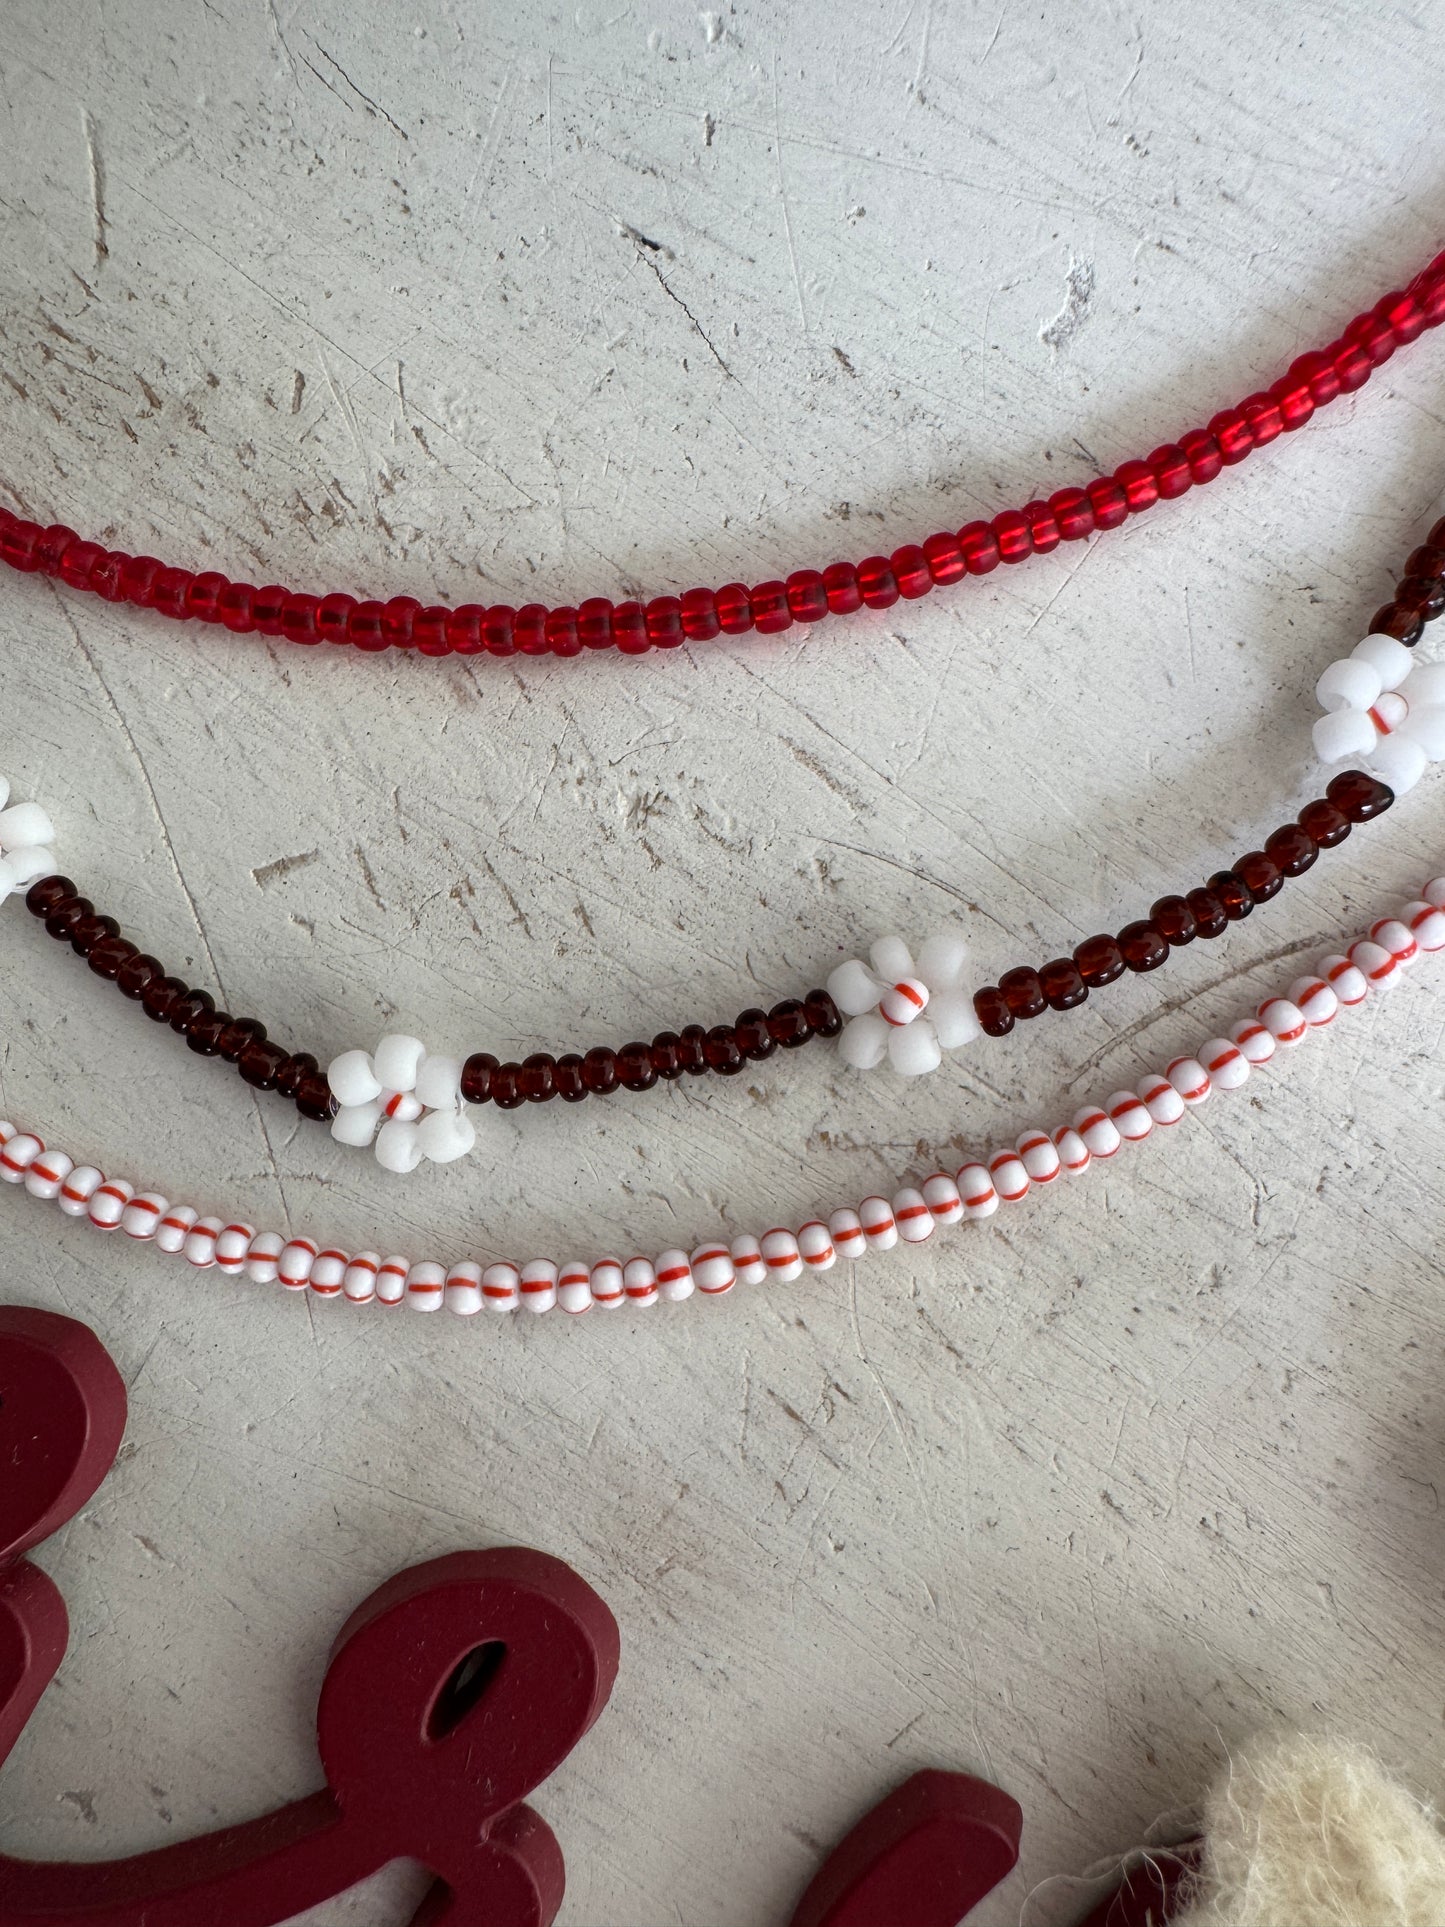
(808, 595)
(1035, 1160)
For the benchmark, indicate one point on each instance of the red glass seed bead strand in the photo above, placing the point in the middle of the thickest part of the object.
(1229, 896)
(1311, 382)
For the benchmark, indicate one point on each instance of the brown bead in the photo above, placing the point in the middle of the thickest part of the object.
(599, 1068)
(692, 1050)
(1424, 594)
(1175, 920)
(1208, 913)
(160, 997)
(1355, 795)
(1324, 823)
(1062, 985)
(788, 1025)
(538, 1081)
(109, 955)
(1144, 945)
(314, 1099)
(240, 1032)
(507, 1086)
(135, 974)
(1427, 560)
(1260, 874)
(67, 914)
(754, 1039)
(664, 1056)
(294, 1073)
(44, 895)
(1100, 961)
(186, 1009)
(1234, 895)
(90, 931)
(477, 1077)
(204, 1032)
(571, 1084)
(1293, 848)
(823, 1015)
(1403, 624)
(1022, 991)
(260, 1064)
(721, 1050)
(990, 1006)
(634, 1067)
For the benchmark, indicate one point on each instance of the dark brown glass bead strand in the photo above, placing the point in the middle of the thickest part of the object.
(1228, 897)
(1420, 594)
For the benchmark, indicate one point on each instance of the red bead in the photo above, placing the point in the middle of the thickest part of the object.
(1208, 913)
(1296, 403)
(771, 614)
(235, 608)
(734, 609)
(594, 622)
(78, 561)
(260, 1064)
(1405, 625)
(692, 1049)
(875, 582)
(160, 996)
(1351, 364)
(664, 622)
(1236, 899)
(1171, 471)
(1073, 513)
(840, 580)
(1100, 961)
(807, 598)
(477, 1077)
(363, 627)
(1262, 415)
(138, 579)
(203, 595)
(107, 575)
(1175, 921)
(1108, 501)
(1357, 796)
(911, 572)
(1317, 371)
(1011, 532)
(1375, 337)
(398, 617)
(720, 1047)
(699, 615)
(46, 893)
(169, 592)
(1403, 315)
(333, 618)
(507, 1086)
(600, 1070)
(561, 634)
(945, 558)
(1022, 991)
(1324, 824)
(1202, 453)
(268, 609)
(788, 1024)
(529, 629)
(464, 629)
(497, 625)
(50, 546)
(1062, 984)
(1292, 848)
(538, 1081)
(980, 548)
(1043, 526)
(1230, 430)
(1143, 945)
(990, 1006)
(754, 1038)
(1260, 875)
(569, 1080)
(1141, 491)
(824, 1017)
(632, 1066)
(429, 631)
(18, 542)
(665, 1060)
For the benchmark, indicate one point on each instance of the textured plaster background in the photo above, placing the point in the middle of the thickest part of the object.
(516, 302)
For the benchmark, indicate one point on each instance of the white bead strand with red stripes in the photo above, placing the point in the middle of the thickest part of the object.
(975, 1192)
(26, 837)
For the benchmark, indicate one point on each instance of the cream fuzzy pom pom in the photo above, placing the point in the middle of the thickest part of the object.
(1305, 1832)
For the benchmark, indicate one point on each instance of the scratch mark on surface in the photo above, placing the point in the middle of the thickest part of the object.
(783, 193)
(97, 188)
(282, 866)
(366, 99)
(698, 328)
(1078, 293)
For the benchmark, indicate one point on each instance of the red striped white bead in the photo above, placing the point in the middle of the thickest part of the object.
(912, 1216)
(1131, 1116)
(815, 1246)
(942, 1196)
(674, 1277)
(1254, 1039)
(142, 1216)
(1161, 1100)
(107, 1202)
(1074, 1154)
(1098, 1130)
(574, 1288)
(426, 1284)
(749, 1263)
(200, 1246)
(391, 1275)
(47, 1173)
(175, 1227)
(880, 1228)
(1434, 892)
(233, 1247)
(19, 1153)
(606, 1282)
(1397, 938)
(1426, 924)
(262, 1258)
(1010, 1180)
(781, 1255)
(639, 1282)
(845, 1228)
(537, 1284)
(502, 1287)
(293, 1267)
(328, 1272)
(1226, 1063)
(1316, 1001)
(712, 1268)
(358, 1282)
(903, 1001)
(1190, 1079)
(462, 1293)
(1380, 967)
(1039, 1156)
(1284, 1020)
(978, 1191)
(1345, 979)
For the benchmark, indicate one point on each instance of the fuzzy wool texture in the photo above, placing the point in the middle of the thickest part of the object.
(1305, 1832)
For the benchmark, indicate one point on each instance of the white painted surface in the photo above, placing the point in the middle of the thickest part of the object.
(523, 302)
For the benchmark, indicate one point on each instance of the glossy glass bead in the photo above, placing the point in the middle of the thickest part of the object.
(333, 616)
(840, 582)
(238, 1035)
(497, 629)
(945, 558)
(1427, 560)
(1175, 920)
(363, 627)
(477, 1077)
(293, 1073)
(298, 618)
(1143, 945)
(78, 561)
(159, 998)
(67, 914)
(507, 1086)
(1261, 413)
(559, 632)
(1141, 491)
(980, 547)
(990, 1006)
(721, 1050)
(268, 609)
(1062, 984)
(1235, 897)
(1073, 513)
(1109, 503)
(538, 1081)
(260, 1063)
(1423, 595)
(529, 629)
(1171, 471)
(1230, 430)
(136, 973)
(734, 609)
(1022, 991)
(755, 1040)
(169, 591)
(1011, 532)
(313, 1098)
(699, 615)
(108, 956)
(50, 547)
(665, 1061)
(1044, 527)
(570, 1079)
(911, 571)
(594, 621)
(1358, 796)
(204, 1031)
(824, 1017)
(599, 1069)
(1326, 825)
(90, 931)
(429, 631)
(138, 579)
(203, 595)
(1208, 913)
(788, 1024)
(18, 540)
(464, 629)
(634, 1067)
(236, 607)
(807, 597)
(1260, 875)
(46, 893)
(188, 1008)
(692, 1050)
(771, 614)
(664, 622)
(1292, 848)
(1201, 451)
(1405, 625)
(875, 582)
(1352, 364)
(107, 578)
(1100, 961)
